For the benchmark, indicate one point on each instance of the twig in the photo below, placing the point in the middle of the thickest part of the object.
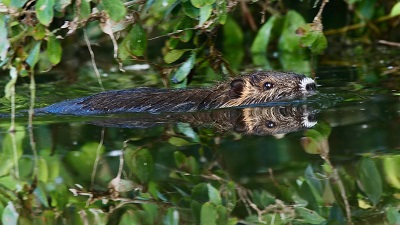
(318, 18)
(358, 25)
(96, 161)
(390, 43)
(14, 75)
(32, 87)
(93, 60)
(336, 177)
(173, 33)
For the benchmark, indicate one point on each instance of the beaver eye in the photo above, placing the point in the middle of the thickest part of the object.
(268, 85)
(270, 124)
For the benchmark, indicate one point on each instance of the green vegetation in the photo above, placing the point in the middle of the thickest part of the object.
(177, 176)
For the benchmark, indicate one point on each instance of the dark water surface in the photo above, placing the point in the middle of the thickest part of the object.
(340, 160)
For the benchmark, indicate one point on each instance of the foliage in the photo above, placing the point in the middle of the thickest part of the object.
(185, 33)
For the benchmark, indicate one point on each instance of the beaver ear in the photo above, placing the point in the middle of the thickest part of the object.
(237, 86)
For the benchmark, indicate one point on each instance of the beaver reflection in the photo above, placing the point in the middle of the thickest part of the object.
(254, 121)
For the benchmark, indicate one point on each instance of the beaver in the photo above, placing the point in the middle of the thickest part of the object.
(253, 88)
(269, 120)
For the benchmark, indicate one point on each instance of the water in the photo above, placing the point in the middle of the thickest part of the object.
(337, 162)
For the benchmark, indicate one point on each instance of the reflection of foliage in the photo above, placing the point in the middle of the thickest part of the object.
(159, 185)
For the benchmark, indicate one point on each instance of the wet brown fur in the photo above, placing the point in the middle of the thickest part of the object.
(245, 90)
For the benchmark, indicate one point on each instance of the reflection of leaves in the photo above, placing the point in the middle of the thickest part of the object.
(10, 215)
(7, 156)
(310, 216)
(172, 217)
(188, 164)
(391, 165)
(141, 163)
(208, 214)
(370, 179)
(395, 10)
(393, 216)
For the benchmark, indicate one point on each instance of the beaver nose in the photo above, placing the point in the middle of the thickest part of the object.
(311, 87)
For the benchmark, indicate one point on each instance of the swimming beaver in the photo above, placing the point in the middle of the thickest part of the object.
(257, 87)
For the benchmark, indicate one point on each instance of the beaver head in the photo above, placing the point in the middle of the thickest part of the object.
(260, 87)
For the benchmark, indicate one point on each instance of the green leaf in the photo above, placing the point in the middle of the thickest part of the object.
(233, 42)
(222, 12)
(83, 9)
(198, 3)
(213, 195)
(295, 61)
(10, 215)
(186, 35)
(210, 2)
(45, 11)
(174, 55)
(208, 214)
(200, 193)
(222, 215)
(43, 170)
(393, 216)
(115, 9)
(315, 40)
(309, 216)
(60, 5)
(86, 156)
(395, 10)
(39, 32)
(40, 194)
(229, 195)
(288, 40)
(391, 165)
(188, 131)
(18, 3)
(190, 10)
(11, 84)
(136, 41)
(11, 150)
(263, 37)
(185, 69)
(370, 179)
(260, 43)
(129, 218)
(205, 13)
(172, 217)
(141, 163)
(262, 198)
(54, 50)
(176, 141)
(4, 42)
(33, 56)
